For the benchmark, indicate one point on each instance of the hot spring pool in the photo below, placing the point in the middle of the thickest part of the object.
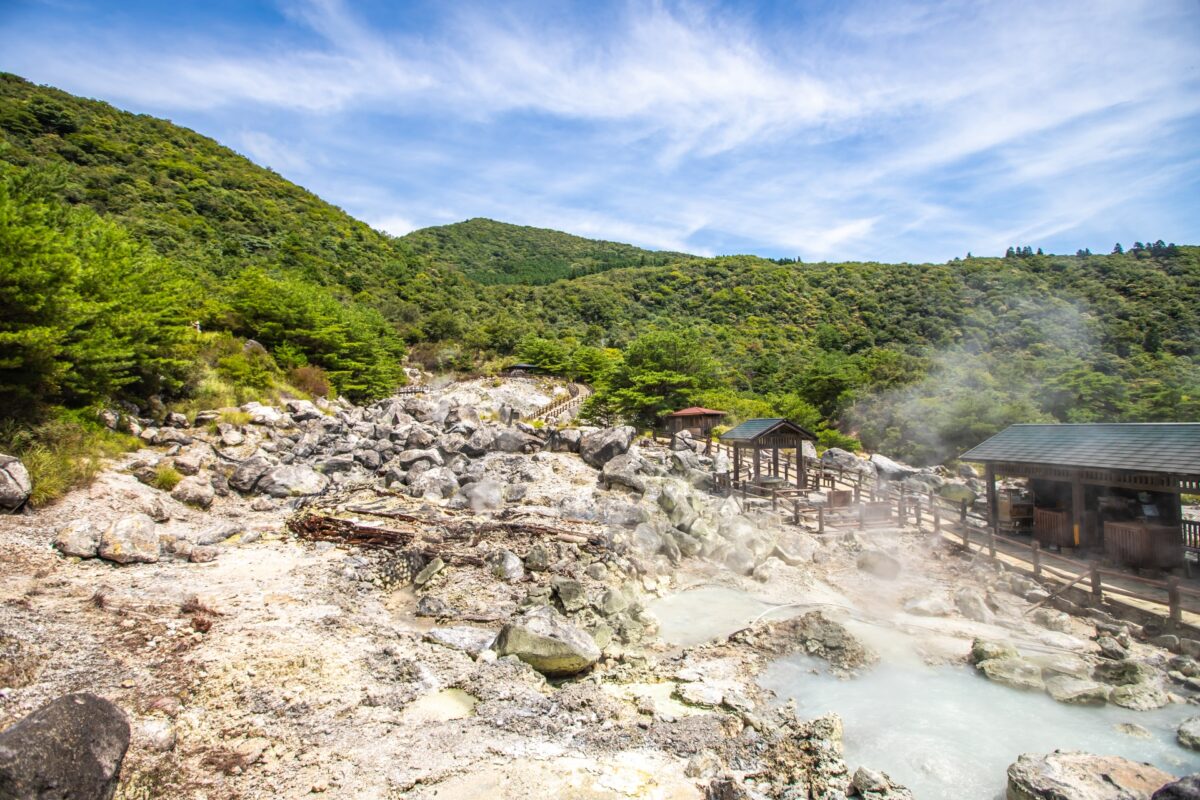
(947, 732)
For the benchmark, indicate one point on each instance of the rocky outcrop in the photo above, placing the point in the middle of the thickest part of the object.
(15, 485)
(1187, 788)
(838, 458)
(79, 538)
(195, 490)
(892, 470)
(548, 643)
(1188, 733)
(71, 749)
(1071, 775)
(1015, 672)
(601, 446)
(130, 540)
(1077, 691)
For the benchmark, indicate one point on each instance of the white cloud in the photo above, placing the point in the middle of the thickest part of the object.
(393, 224)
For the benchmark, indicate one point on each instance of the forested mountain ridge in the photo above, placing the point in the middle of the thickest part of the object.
(492, 252)
(920, 360)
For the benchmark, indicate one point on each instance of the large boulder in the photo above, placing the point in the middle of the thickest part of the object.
(1015, 672)
(892, 470)
(626, 470)
(547, 642)
(71, 749)
(1186, 788)
(1072, 775)
(515, 440)
(248, 473)
(836, 457)
(15, 486)
(79, 537)
(407, 458)
(130, 540)
(1188, 733)
(293, 480)
(1077, 691)
(438, 483)
(195, 490)
(879, 564)
(600, 447)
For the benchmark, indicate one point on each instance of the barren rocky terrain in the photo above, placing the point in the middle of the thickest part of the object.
(416, 599)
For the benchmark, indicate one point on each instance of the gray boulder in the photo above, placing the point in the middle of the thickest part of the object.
(79, 537)
(600, 447)
(836, 457)
(506, 566)
(626, 470)
(1189, 733)
(548, 643)
(1077, 691)
(15, 486)
(195, 490)
(879, 564)
(247, 475)
(462, 419)
(1015, 672)
(471, 641)
(983, 650)
(973, 605)
(1186, 788)
(293, 480)
(479, 443)
(71, 749)
(564, 440)
(129, 540)
(892, 470)
(515, 440)
(438, 483)
(407, 458)
(1067, 775)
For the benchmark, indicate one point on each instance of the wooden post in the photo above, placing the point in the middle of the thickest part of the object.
(917, 510)
(901, 512)
(757, 463)
(796, 512)
(775, 462)
(966, 537)
(857, 492)
(820, 519)
(774, 499)
(992, 508)
(1173, 601)
(1036, 557)
(1097, 588)
(1077, 509)
(962, 513)
(801, 467)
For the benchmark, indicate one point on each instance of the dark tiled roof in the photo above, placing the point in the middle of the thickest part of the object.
(751, 429)
(1172, 447)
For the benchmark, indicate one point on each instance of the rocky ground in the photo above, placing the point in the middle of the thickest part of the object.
(416, 599)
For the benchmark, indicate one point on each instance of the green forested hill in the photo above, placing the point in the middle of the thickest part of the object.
(491, 252)
(920, 360)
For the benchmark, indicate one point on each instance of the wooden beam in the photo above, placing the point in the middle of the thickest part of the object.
(989, 477)
(1077, 510)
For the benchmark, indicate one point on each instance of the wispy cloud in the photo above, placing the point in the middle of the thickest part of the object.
(893, 130)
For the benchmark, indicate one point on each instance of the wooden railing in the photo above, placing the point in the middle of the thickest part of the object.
(576, 394)
(1191, 534)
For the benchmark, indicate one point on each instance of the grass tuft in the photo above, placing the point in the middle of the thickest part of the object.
(166, 477)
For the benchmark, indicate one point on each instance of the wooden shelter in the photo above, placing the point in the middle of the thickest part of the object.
(772, 436)
(696, 420)
(1111, 487)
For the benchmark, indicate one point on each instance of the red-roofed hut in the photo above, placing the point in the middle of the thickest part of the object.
(695, 420)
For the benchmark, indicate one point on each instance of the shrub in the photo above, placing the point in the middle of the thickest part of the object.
(831, 437)
(62, 452)
(166, 477)
(310, 379)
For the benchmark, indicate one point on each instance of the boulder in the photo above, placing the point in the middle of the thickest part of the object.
(892, 470)
(462, 419)
(175, 420)
(1067, 775)
(15, 486)
(1186, 788)
(600, 447)
(302, 410)
(625, 470)
(293, 480)
(565, 440)
(129, 540)
(247, 475)
(983, 650)
(1015, 672)
(1188, 733)
(570, 593)
(548, 643)
(71, 749)
(438, 483)
(1077, 691)
(407, 458)
(471, 641)
(195, 490)
(514, 440)
(262, 415)
(836, 457)
(972, 604)
(79, 537)
(479, 443)
(1139, 696)
(506, 566)
(879, 563)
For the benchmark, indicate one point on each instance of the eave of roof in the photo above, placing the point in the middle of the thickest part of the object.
(1163, 447)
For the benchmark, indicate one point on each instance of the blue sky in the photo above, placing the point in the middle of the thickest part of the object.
(889, 131)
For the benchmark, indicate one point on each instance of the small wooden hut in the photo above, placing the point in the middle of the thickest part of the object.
(1110, 487)
(771, 436)
(695, 420)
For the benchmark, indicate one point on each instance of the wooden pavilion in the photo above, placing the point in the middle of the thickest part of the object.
(772, 436)
(1111, 487)
(695, 420)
